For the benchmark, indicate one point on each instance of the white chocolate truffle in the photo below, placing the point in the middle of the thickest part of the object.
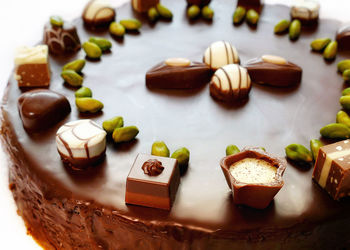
(219, 54)
(31, 55)
(98, 12)
(305, 10)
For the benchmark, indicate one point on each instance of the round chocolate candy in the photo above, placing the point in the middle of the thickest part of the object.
(98, 13)
(219, 54)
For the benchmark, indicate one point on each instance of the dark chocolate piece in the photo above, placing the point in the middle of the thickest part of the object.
(178, 73)
(332, 169)
(250, 187)
(274, 71)
(41, 109)
(98, 14)
(62, 40)
(200, 3)
(156, 191)
(343, 38)
(143, 5)
(152, 167)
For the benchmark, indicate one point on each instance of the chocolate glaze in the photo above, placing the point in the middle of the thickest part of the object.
(152, 167)
(92, 208)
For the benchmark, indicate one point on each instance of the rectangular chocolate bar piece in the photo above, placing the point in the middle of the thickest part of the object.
(332, 169)
(152, 182)
(32, 66)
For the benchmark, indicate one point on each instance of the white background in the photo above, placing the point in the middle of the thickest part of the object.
(21, 23)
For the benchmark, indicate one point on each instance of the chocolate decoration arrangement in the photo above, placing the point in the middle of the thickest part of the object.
(85, 180)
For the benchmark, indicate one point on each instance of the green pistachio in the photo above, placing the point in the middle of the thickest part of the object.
(345, 92)
(297, 152)
(320, 44)
(92, 50)
(343, 65)
(343, 117)
(83, 92)
(153, 14)
(239, 15)
(159, 148)
(193, 11)
(315, 146)
(125, 134)
(103, 43)
(56, 21)
(88, 105)
(72, 78)
(207, 13)
(335, 131)
(76, 65)
(116, 29)
(164, 11)
(182, 155)
(252, 17)
(131, 24)
(111, 124)
(232, 150)
(281, 26)
(346, 75)
(330, 52)
(294, 30)
(345, 102)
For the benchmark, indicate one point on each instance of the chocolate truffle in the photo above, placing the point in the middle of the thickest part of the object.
(274, 71)
(81, 144)
(230, 83)
(152, 182)
(332, 169)
(40, 109)
(306, 11)
(343, 38)
(219, 54)
(98, 14)
(143, 5)
(254, 176)
(178, 73)
(32, 66)
(200, 3)
(61, 40)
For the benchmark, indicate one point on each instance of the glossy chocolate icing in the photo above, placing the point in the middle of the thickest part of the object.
(203, 214)
(152, 167)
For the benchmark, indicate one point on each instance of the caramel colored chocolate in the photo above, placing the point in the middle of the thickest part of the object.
(332, 169)
(62, 40)
(41, 109)
(152, 190)
(274, 73)
(143, 5)
(98, 14)
(178, 76)
(343, 38)
(33, 75)
(198, 2)
(152, 167)
(254, 194)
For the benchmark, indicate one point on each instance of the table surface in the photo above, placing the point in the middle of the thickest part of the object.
(21, 23)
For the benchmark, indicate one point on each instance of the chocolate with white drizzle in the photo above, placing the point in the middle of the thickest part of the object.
(219, 54)
(98, 14)
(306, 11)
(81, 144)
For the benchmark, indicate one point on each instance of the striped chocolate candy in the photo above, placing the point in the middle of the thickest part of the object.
(219, 54)
(98, 13)
(230, 83)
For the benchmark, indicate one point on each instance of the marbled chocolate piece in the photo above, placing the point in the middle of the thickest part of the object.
(219, 54)
(274, 71)
(343, 38)
(98, 14)
(61, 40)
(230, 83)
(332, 169)
(306, 11)
(158, 190)
(254, 176)
(32, 66)
(81, 144)
(178, 73)
(200, 3)
(143, 5)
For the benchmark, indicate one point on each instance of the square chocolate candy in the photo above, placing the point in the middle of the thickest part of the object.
(152, 182)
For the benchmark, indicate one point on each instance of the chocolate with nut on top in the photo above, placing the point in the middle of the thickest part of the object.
(254, 176)
(98, 14)
(343, 38)
(274, 71)
(178, 73)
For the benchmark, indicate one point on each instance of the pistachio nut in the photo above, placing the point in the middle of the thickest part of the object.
(164, 11)
(315, 146)
(92, 50)
(345, 92)
(159, 148)
(56, 21)
(343, 117)
(182, 155)
(231, 150)
(320, 44)
(239, 15)
(330, 52)
(131, 24)
(125, 134)
(345, 102)
(103, 43)
(88, 105)
(111, 124)
(335, 131)
(252, 17)
(343, 65)
(116, 29)
(297, 152)
(281, 26)
(153, 14)
(207, 13)
(72, 78)
(193, 11)
(76, 65)
(83, 92)
(346, 75)
(294, 30)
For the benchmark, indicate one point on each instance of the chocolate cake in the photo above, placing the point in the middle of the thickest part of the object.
(65, 209)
